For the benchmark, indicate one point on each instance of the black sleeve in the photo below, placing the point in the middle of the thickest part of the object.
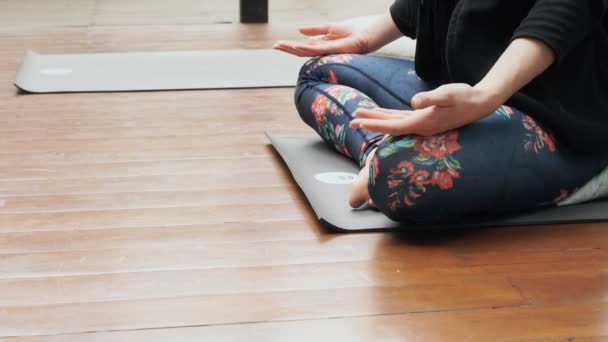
(559, 24)
(405, 16)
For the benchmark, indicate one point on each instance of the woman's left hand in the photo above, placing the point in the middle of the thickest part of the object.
(445, 108)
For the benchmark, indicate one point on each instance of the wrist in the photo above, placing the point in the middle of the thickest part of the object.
(491, 96)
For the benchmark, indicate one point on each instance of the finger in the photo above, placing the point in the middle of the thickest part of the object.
(290, 48)
(314, 30)
(324, 47)
(395, 111)
(441, 97)
(392, 127)
(376, 114)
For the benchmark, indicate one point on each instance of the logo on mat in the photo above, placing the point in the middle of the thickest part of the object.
(336, 177)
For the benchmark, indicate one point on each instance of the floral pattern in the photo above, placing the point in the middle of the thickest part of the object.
(434, 165)
(332, 77)
(505, 112)
(563, 194)
(411, 177)
(334, 59)
(536, 137)
(332, 102)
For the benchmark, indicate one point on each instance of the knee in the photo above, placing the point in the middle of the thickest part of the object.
(402, 190)
(304, 95)
(307, 71)
(305, 76)
(315, 69)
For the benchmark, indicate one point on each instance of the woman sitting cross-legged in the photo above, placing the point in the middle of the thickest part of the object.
(505, 108)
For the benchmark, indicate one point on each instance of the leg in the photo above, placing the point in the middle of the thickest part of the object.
(506, 163)
(331, 88)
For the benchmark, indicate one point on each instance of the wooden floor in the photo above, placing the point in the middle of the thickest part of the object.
(165, 216)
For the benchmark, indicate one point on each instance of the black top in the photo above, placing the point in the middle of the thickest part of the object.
(459, 41)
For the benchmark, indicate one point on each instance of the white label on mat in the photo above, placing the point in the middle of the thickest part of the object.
(56, 71)
(336, 177)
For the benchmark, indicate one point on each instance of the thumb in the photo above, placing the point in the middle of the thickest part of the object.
(439, 97)
(314, 30)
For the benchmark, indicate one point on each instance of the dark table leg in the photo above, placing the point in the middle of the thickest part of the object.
(254, 11)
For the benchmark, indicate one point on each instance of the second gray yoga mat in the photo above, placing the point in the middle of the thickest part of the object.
(325, 176)
(145, 71)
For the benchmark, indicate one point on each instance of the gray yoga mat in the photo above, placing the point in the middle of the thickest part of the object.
(325, 177)
(146, 71)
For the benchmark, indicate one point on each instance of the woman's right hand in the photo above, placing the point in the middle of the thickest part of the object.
(344, 37)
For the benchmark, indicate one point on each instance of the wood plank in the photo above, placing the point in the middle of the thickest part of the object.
(504, 324)
(230, 180)
(213, 281)
(95, 219)
(176, 236)
(183, 12)
(574, 287)
(32, 13)
(228, 126)
(245, 141)
(107, 259)
(196, 106)
(44, 171)
(221, 309)
(561, 282)
(145, 200)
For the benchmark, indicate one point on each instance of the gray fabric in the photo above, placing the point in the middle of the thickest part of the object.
(143, 71)
(594, 189)
(309, 160)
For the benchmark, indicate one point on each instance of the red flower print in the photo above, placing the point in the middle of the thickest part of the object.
(414, 195)
(407, 201)
(393, 183)
(546, 137)
(342, 93)
(318, 109)
(438, 167)
(363, 147)
(538, 138)
(345, 150)
(332, 77)
(505, 111)
(563, 194)
(528, 122)
(333, 108)
(437, 146)
(404, 169)
(420, 177)
(443, 179)
(335, 59)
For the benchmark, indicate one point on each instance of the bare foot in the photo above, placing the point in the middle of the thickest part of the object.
(359, 193)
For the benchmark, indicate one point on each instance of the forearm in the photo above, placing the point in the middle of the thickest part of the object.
(380, 31)
(522, 61)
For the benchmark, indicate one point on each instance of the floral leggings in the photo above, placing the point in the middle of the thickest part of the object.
(505, 163)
